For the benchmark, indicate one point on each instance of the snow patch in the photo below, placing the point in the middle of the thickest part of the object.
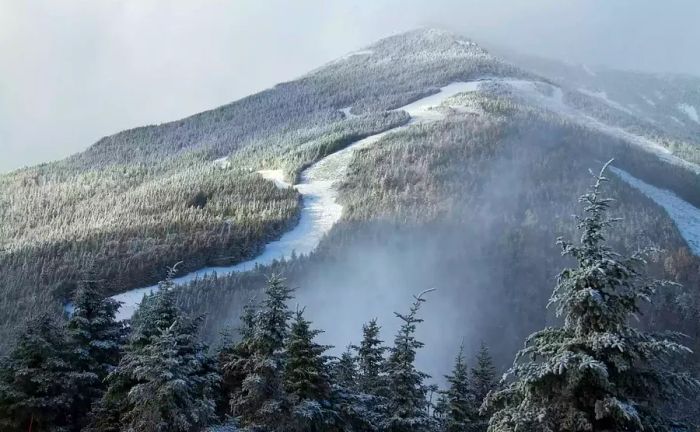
(685, 215)
(604, 97)
(347, 112)
(276, 176)
(356, 53)
(690, 111)
(222, 163)
(649, 101)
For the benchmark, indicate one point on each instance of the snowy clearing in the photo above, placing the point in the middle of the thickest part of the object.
(320, 210)
(347, 112)
(685, 215)
(690, 111)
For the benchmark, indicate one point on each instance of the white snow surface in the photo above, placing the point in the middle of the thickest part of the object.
(320, 209)
(685, 215)
(553, 100)
(604, 97)
(347, 112)
(690, 111)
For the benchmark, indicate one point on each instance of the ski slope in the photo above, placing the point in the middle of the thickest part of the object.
(320, 209)
(685, 215)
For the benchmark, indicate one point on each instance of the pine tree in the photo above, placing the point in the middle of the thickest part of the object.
(595, 371)
(261, 402)
(407, 407)
(96, 342)
(370, 361)
(459, 414)
(306, 378)
(36, 383)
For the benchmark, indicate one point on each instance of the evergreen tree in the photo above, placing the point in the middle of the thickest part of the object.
(595, 371)
(234, 358)
(370, 361)
(459, 414)
(482, 382)
(307, 379)
(36, 383)
(165, 381)
(483, 375)
(261, 402)
(96, 342)
(174, 382)
(407, 407)
(345, 370)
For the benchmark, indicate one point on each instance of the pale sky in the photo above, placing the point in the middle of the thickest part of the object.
(74, 71)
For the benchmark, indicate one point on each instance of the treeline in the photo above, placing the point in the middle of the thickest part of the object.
(591, 371)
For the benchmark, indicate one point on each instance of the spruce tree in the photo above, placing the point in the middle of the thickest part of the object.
(345, 370)
(459, 414)
(174, 382)
(165, 381)
(96, 342)
(260, 403)
(235, 358)
(483, 375)
(370, 361)
(306, 378)
(407, 406)
(594, 371)
(36, 384)
(482, 381)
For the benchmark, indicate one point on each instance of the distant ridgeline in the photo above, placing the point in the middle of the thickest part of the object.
(469, 204)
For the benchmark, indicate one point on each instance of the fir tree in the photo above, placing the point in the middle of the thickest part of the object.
(370, 361)
(36, 383)
(595, 371)
(307, 379)
(407, 406)
(459, 414)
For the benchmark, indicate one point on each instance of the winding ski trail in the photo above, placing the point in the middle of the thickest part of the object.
(320, 209)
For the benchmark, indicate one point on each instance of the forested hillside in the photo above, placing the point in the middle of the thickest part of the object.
(469, 202)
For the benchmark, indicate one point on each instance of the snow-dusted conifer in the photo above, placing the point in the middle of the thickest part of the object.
(96, 341)
(36, 384)
(595, 371)
(261, 402)
(370, 361)
(407, 406)
(165, 380)
(307, 379)
(345, 370)
(459, 414)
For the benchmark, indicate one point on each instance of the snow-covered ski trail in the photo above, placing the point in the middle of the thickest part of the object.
(320, 209)
(685, 215)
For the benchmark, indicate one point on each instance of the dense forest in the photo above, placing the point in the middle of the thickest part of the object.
(591, 370)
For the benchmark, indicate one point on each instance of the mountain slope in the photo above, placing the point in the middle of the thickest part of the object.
(470, 203)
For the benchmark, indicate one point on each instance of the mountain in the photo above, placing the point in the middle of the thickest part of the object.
(455, 168)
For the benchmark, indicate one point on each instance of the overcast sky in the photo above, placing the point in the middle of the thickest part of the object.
(73, 71)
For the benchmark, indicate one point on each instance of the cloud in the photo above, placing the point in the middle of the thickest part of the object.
(73, 71)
